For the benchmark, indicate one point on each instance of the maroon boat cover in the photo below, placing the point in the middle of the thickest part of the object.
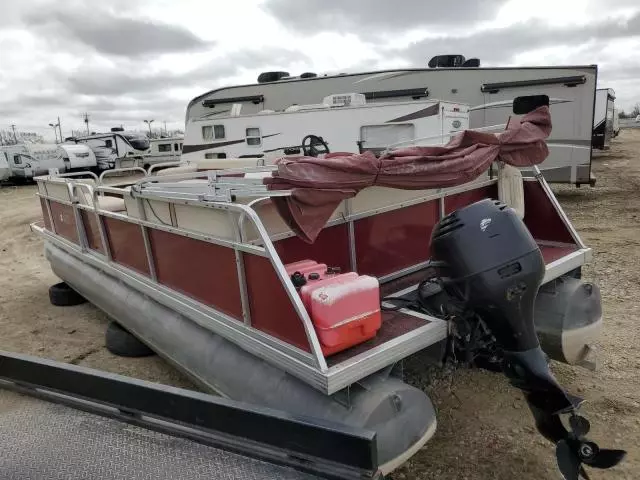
(319, 184)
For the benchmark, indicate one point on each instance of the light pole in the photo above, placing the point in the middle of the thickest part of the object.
(15, 137)
(149, 122)
(55, 131)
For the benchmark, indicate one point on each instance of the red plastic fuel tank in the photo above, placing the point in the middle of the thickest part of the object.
(344, 308)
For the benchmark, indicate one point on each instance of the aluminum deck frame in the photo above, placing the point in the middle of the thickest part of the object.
(310, 367)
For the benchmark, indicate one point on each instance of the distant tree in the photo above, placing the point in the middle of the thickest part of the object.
(636, 110)
(622, 114)
(7, 137)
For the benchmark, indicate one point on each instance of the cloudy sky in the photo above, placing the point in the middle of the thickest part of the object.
(123, 61)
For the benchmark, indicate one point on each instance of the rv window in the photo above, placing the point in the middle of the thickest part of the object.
(164, 147)
(181, 147)
(207, 132)
(218, 131)
(253, 136)
(108, 143)
(211, 156)
(176, 147)
(17, 160)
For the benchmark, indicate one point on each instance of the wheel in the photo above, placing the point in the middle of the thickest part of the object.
(62, 295)
(122, 343)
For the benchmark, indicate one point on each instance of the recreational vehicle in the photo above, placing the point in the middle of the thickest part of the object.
(616, 121)
(342, 122)
(489, 92)
(28, 160)
(162, 150)
(116, 149)
(603, 118)
(5, 170)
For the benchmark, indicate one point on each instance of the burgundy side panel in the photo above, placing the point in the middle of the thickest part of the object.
(126, 244)
(459, 200)
(331, 247)
(91, 229)
(541, 217)
(551, 254)
(200, 270)
(391, 241)
(271, 310)
(64, 221)
(45, 214)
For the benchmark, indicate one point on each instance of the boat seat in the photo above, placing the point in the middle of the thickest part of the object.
(111, 204)
(212, 164)
(177, 170)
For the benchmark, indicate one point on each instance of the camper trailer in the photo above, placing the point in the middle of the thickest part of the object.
(162, 150)
(116, 149)
(29, 160)
(342, 122)
(616, 121)
(489, 92)
(603, 118)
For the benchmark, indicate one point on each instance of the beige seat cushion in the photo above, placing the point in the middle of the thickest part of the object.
(220, 163)
(111, 204)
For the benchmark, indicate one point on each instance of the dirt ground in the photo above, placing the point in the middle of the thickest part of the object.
(485, 430)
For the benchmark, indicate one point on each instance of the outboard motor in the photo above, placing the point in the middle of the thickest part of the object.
(490, 262)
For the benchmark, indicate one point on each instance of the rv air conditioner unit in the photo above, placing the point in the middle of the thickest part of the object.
(345, 100)
(446, 61)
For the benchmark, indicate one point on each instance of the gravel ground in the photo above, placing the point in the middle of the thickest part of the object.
(485, 429)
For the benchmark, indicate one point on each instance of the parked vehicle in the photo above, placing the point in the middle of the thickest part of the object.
(604, 118)
(488, 91)
(28, 160)
(116, 149)
(168, 149)
(5, 170)
(264, 284)
(616, 121)
(343, 122)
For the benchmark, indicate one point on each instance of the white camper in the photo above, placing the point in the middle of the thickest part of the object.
(28, 160)
(162, 150)
(5, 170)
(342, 122)
(603, 118)
(616, 121)
(489, 91)
(116, 149)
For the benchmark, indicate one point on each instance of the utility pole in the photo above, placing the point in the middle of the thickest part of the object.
(14, 132)
(165, 128)
(60, 128)
(86, 121)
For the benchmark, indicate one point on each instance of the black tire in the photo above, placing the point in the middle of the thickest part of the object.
(122, 343)
(62, 295)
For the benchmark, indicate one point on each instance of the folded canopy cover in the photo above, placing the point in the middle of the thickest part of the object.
(319, 184)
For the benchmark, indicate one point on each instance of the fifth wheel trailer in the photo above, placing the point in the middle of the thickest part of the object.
(603, 118)
(489, 92)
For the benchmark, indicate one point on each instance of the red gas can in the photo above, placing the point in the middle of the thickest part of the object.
(346, 312)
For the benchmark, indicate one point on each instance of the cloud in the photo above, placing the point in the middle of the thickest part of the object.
(109, 34)
(502, 45)
(371, 17)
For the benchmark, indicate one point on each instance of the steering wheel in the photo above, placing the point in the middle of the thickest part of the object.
(312, 146)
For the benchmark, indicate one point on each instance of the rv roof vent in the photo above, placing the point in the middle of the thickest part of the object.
(471, 62)
(117, 129)
(446, 61)
(308, 75)
(292, 108)
(344, 100)
(266, 77)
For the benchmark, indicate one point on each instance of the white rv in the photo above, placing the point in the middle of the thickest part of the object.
(489, 91)
(162, 150)
(616, 121)
(116, 149)
(5, 170)
(603, 118)
(342, 122)
(28, 160)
